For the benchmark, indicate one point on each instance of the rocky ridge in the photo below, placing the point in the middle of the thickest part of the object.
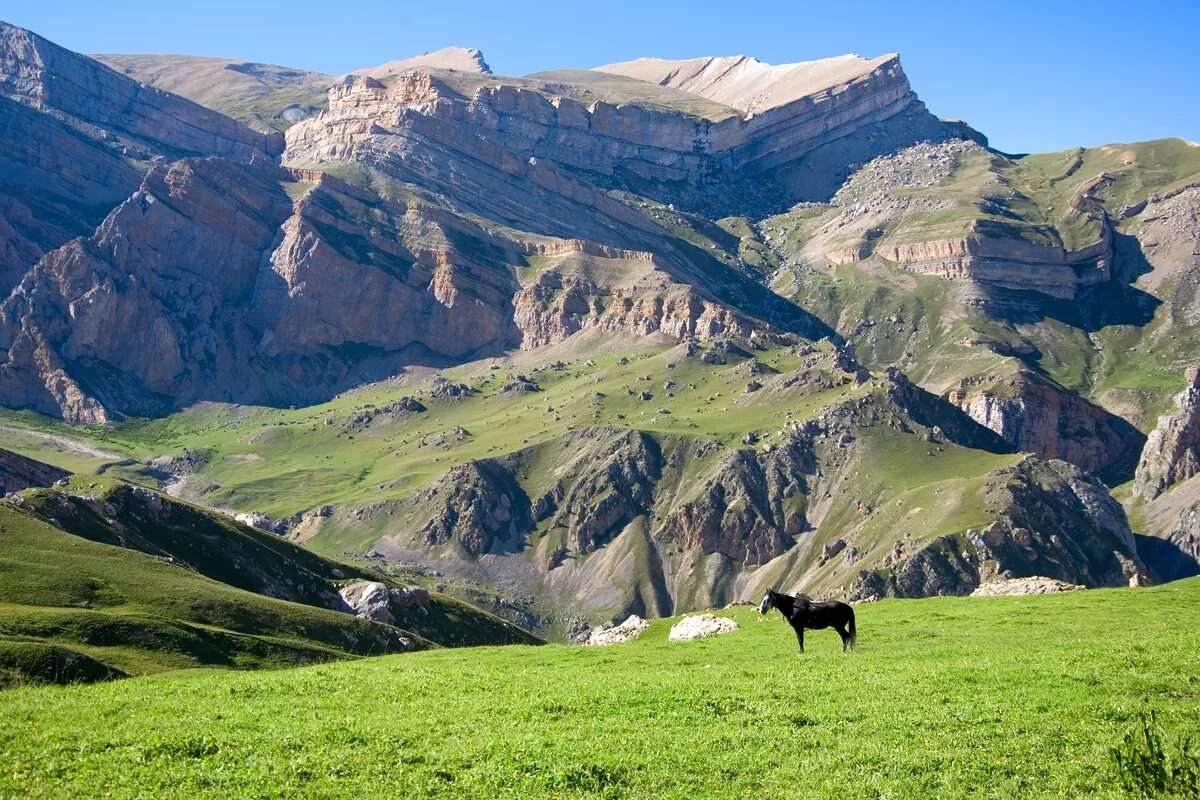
(1172, 452)
(625, 522)
(75, 139)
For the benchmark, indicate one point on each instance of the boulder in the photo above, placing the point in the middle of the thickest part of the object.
(369, 600)
(627, 631)
(407, 597)
(700, 626)
(258, 520)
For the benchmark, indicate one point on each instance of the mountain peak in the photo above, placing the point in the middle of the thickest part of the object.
(748, 84)
(461, 59)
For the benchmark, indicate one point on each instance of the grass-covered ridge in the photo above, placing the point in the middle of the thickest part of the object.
(101, 579)
(950, 697)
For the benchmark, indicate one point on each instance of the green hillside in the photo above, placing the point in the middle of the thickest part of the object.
(98, 579)
(140, 614)
(949, 697)
(361, 447)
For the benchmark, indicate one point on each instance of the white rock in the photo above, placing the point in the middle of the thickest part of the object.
(369, 600)
(699, 626)
(257, 520)
(1016, 586)
(627, 631)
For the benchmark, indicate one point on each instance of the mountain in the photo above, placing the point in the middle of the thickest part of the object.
(644, 338)
(265, 96)
(77, 138)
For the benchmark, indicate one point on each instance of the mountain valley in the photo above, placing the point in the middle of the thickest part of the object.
(569, 346)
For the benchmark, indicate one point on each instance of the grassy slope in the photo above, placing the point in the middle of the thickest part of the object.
(950, 697)
(280, 461)
(185, 587)
(141, 614)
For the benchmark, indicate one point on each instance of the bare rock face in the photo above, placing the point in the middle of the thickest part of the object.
(478, 504)
(1172, 452)
(207, 282)
(611, 487)
(750, 511)
(1050, 422)
(75, 139)
(1059, 523)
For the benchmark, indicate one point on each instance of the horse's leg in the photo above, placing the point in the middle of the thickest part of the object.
(800, 636)
(841, 629)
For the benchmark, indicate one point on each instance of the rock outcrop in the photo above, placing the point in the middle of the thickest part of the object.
(633, 627)
(76, 137)
(477, 505)
(1005, 587)
(369, 600)
(700, 626)
(1059, 523)
(1039, 417)
(375, 601)
(1172, 451)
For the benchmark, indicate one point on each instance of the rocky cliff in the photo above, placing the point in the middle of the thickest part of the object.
(211, 281)
(76, 137)
(1172, 452)
(1040, 418)
(657, 143)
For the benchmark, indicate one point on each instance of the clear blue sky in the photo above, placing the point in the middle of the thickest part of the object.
(1031, 75)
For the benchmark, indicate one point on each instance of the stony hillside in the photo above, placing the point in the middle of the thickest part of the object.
(648, 337)
(641, 480)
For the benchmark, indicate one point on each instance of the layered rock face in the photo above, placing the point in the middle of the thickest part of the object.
(76, 137)
(1172, 452)
(670, 153)
(964, 230)
(213, 282)
(1051, 422)
(230, 279)
(1047, 268)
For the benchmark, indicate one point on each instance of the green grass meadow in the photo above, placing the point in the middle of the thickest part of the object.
(946, 697)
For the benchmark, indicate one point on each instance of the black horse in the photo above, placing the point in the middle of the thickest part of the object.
(803, 612)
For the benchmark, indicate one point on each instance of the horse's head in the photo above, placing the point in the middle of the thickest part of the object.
(768, 602)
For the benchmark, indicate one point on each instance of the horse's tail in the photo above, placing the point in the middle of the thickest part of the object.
(853, 632)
